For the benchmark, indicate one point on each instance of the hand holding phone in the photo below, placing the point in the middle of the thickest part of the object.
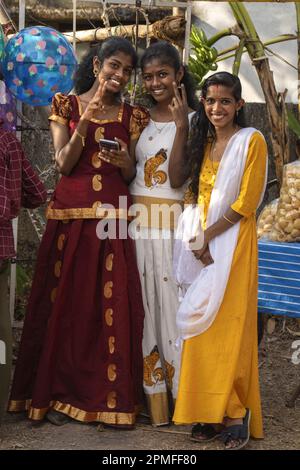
(109, 144)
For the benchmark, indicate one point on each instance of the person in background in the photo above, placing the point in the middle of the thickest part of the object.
(217, 319)
(81, 350)
(19, 186)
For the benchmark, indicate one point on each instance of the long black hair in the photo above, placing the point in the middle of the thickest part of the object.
(201, 127)
(167, 54)
(84, 77)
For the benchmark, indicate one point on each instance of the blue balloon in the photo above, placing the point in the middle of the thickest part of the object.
(38, 62)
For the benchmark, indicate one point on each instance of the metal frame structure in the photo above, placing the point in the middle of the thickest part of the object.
(187, 6)
(13, 266)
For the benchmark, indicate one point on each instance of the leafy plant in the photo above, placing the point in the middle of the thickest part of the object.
(203, 55)
(293, 123)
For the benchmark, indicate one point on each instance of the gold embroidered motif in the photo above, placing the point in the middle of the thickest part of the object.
(108, 289)
(53, 294)
(109, 316)
(96, 161)
(109, 262)
(151, 176)
(153, 374)
(111, 343)
(96, 182)
(138, 121)
(111, 372)
(112, 400)
(189, 197)
(96, 205)
(61, 108)
(170, 371)
(57, 268)
(60, 241)
(99, 134)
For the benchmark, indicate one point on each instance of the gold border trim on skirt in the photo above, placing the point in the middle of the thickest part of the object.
(107, 417)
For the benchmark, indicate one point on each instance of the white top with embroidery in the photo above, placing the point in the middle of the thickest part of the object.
(152, 154)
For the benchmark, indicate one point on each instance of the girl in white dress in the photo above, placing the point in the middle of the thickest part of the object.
(161, 144)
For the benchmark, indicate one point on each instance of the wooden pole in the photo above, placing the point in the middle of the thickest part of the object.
(275, 102)
(171, 28)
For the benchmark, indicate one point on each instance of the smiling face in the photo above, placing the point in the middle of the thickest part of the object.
(116, 69)
(158, 79)
(221, 106)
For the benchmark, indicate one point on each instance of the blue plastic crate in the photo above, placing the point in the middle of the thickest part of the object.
(279, 278)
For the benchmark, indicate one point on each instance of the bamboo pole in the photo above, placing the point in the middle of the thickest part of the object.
(238, 58)
(297, 6)
(275, 102)
(171, 28)
(277, 40)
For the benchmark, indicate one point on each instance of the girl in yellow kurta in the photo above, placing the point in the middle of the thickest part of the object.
(219, 370)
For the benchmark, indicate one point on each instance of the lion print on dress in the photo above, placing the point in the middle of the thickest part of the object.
(153, 374)
(153, 177)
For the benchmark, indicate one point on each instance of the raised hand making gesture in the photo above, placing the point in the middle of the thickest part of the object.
(96, 104)
(179, 107)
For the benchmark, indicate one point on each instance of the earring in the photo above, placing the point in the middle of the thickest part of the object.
(237, 112)
(95, 72)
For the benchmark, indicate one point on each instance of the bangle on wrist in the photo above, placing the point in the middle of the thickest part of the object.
(228, 220)
(82, 137)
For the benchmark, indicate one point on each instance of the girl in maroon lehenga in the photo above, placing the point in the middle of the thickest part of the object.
(81, 354)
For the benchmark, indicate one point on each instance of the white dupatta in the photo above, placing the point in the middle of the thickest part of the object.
(206, 290)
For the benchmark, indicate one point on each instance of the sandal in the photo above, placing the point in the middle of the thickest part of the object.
(204, 433)
(57, 418)
(238, 434)
(125, 427)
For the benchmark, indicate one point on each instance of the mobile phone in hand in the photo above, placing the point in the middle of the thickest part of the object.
(109, 144)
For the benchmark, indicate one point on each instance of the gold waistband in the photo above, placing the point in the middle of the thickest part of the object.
(153, 212)
(94, 212)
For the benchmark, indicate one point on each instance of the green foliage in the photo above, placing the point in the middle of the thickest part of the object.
(293, 123)
(203, 56)
(22, 280)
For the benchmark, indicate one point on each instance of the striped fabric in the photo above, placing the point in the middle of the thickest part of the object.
(279, 278)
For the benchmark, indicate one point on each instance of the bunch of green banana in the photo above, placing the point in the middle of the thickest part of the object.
(203, 56)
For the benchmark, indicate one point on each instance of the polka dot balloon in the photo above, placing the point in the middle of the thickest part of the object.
(38, 63)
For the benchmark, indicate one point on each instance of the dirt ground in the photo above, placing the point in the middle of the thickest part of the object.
(279, 377)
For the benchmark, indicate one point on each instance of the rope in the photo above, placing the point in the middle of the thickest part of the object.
(8, 16)
(280, 57)
(105, 17)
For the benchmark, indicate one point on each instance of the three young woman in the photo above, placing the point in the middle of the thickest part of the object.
(81, 348)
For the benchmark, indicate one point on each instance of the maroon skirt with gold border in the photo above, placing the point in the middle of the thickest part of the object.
(81, 348)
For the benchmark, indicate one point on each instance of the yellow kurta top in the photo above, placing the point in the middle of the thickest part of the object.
(219, 369)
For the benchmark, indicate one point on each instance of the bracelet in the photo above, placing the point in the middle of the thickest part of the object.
(82, 137)
(228, 220)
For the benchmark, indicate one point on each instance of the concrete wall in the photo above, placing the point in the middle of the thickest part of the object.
(271, 19)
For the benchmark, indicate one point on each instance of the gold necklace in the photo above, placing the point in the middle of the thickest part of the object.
(213, 147)
(211, 158)
(158, 129)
